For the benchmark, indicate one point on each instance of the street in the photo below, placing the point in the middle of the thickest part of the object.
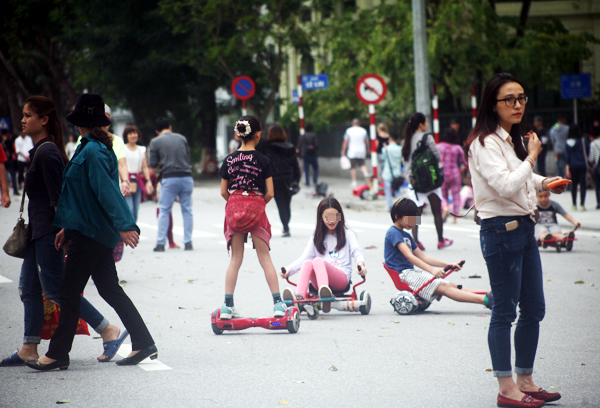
(438, 358)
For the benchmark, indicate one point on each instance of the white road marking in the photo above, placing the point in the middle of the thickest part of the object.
(147, 364)
(4, 279)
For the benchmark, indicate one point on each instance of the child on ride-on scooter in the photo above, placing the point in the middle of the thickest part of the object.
(547, 230)
(415, 268)
(327, 258)
(247, 186)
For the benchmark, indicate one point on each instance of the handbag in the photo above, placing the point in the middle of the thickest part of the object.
(51, 317)
(589, 171)
(294, 188)
(396, 181)
(16, 244)
(345, 163)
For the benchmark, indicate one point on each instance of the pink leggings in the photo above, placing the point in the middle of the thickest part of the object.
(320, 273)
(453, 183)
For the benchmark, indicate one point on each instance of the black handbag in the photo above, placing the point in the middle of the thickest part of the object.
(16, 244)
(294, 188)
(396, 181)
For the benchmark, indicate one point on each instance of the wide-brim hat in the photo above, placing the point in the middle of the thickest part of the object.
(89, 112)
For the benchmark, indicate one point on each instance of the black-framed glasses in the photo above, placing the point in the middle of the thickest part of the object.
(510, 101)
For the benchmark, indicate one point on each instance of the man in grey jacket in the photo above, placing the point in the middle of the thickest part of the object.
(558, 134)
(170, 153)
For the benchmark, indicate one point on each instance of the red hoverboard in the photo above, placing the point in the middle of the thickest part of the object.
(291, 322)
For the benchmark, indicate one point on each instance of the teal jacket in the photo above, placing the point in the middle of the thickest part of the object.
(91, 201)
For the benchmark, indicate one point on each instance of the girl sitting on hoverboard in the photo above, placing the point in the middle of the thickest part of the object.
(327, 258)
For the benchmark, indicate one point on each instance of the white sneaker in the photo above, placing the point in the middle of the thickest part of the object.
(354, 184)
(288, 296)
(279, 309)
(229, 313)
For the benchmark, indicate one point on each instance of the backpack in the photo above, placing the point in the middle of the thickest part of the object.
(426, 173)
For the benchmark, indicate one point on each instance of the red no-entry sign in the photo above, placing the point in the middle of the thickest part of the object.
(243, 87)
(371, 89)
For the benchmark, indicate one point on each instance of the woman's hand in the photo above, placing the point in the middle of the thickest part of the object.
(534, 146)
(60, 242)
(130, 238)
(149, 187)
(555, 190)
(362, 270)
(125, 188)
(284, 273)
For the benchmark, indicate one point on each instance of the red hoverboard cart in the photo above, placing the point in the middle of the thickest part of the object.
(364, 190)
(341, 301)
(408, 301)
(566, 242)
(291, 322)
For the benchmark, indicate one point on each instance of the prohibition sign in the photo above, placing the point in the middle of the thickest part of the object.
(243, 87)
(371, 89)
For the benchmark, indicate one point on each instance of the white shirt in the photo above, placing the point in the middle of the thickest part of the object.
(135, 159)
(23, 145)
(341, 259)
(503, 185)
(357, 147)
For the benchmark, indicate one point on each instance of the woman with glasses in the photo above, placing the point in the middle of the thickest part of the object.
(505, 189)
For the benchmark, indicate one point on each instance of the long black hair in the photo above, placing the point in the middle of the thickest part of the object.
(487, 119)
(43, 106)
(409, 130)
(321, 229)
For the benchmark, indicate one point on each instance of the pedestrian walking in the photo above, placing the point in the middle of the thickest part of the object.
(23, 144)
(287, 173)
(558, 136)
(453, 158)
(544, 136)
(382, 139)
(137, 167)
(356, 148)
(326, 262)
(308, 147)
(247, 186)
(577, 148)
(504, 186)
(595, 163)
(392, 174)
(414, 131)
(170, 153)
(8, 146)
(90, 204)
(4, 195)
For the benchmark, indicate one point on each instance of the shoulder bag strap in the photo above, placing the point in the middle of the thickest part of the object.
(389, 162)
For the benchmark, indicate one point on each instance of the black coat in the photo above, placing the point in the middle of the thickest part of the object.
(283, 156)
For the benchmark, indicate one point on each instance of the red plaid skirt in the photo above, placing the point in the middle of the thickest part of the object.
(246, 214)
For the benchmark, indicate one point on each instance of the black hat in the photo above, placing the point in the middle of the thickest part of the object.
(89, 112)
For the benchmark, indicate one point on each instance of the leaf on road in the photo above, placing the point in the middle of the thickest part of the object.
(384, 335)
(579, 282)
(333, 368)
(299, 381)
(191, 280)
(283, 402)
(409, 362)
(474, 277)
(183, 307)
(63, 401)
(489, 369)
(371, 247)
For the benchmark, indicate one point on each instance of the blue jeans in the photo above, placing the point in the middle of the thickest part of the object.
(515, 271)
(313, 161)
(173, 187)
(47, 278)
(133, 201)
(390, 195)
(560, 164)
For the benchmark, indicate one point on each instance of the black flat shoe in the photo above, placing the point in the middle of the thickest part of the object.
(36, 365)
(151, 352)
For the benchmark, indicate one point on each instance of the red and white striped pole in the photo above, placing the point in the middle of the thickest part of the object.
(300, 108)
(373, 133)
(244, 110)
(436, 120)
(473, 106)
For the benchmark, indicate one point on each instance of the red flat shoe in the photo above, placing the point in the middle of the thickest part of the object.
(527, 402)
(543, 395)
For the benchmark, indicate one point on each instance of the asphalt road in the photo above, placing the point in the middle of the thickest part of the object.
(438, 358)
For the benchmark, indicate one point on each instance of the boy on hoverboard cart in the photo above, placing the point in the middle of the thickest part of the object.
(547, 230)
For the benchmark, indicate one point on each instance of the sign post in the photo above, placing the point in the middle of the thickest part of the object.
(576, 86)
(243, 88)
(371, 90)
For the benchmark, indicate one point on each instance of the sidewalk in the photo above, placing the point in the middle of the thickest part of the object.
(341, 189)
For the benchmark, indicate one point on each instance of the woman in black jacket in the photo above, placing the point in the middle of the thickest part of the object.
(283, 156)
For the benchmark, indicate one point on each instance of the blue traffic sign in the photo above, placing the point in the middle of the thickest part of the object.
(295, 98)
(5, 123)
(243, 87)
(576, 86)
(310, 82)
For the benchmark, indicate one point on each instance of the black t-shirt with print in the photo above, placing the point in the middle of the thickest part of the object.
(247, 170)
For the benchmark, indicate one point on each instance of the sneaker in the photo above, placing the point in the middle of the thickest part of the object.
(286, 234)
(546, 240)
(488, 300)
(189, 247)
(582, 209)
(302, 307)
(325, 292)
(280, 309)
(159, 248)
(173, 245)
(228, 312)
(574, 207)
(570, 237)
(421, 247)
(288, 296)
(354, 184)
(447, 242)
